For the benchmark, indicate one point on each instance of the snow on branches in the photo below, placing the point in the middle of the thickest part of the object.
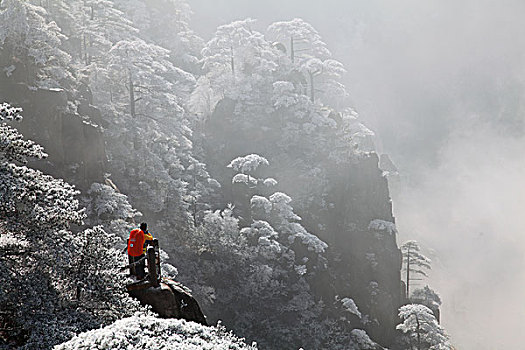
(382, 226)
(247, 163)
(350, 306)
(12, 145)
(148, 332)
(422, 328)
(298, 32)
(24, 32)
(9, 112)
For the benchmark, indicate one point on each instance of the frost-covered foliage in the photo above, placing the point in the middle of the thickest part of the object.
(350, 306)
(142, 89)
(218, 231)
(275, 209)
(361, 340)
(299, 32)
(270, 260)
(55, 282)
(148, 332)
(261, 99)
(27, 195)
(248, 163)
(285, 217)
(382, 226)
(237, 53)
(421, 328)
(310, 55)
(146, 96)
(137, 77)
(107, 204)
(247, 166)
(9, 112)
(13, 147)
(25, 33)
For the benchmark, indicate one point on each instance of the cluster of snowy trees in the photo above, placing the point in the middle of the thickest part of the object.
(57, 279)
(194, 133)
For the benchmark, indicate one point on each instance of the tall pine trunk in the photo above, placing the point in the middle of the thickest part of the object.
(131, 88)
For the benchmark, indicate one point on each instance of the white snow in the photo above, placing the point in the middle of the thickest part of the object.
(261, 202)
(247, 163)
(313, 242)
(269, 182)
(243, 178)
(148, 332)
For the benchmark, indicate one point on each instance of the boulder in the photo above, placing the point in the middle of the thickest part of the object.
(171, 300)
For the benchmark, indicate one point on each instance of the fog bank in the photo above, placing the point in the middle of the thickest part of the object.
(469, 209)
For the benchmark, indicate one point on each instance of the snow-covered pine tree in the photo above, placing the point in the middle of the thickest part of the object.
(422, 329)
(238, 61)
(309, 55)
(166, 23)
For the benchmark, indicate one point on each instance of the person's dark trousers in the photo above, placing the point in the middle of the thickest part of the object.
(137, 269)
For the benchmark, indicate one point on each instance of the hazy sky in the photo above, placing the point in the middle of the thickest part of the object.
(441, 82)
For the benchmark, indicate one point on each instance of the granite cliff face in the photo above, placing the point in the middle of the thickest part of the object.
(67, 126)
(363, 236)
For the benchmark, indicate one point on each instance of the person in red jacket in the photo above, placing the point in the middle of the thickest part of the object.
(135, 250)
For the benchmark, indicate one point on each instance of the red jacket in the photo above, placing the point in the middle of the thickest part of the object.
(136, 242)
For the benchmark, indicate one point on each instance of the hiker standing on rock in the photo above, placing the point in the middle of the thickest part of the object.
(136, 246)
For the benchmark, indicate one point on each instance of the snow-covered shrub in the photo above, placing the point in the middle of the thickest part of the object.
(350, 306)
(218, 231)
(361, 340)
(422, 329)
(107, 204)
(149, 332)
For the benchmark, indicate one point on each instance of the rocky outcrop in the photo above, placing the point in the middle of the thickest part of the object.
(171, 300)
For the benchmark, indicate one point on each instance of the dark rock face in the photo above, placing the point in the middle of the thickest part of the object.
(73, 140)
(171, 300)
(366, 261)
